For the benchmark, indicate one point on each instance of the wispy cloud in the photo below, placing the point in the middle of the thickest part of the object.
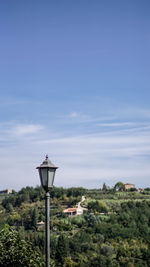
(73, 115)
(84, 118)
(119, 124)
(120, 151)
(26, 129)
(98, 157)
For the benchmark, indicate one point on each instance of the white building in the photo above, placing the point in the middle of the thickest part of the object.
(129, 186)
(6, 192)
(73, 211)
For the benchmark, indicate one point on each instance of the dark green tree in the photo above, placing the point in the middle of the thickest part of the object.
(16, 252)
(104, 188)
(119, 186)
(62, 249)
(9, 207)
(34, 219)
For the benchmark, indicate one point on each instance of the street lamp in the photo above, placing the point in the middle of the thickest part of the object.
(47, 173)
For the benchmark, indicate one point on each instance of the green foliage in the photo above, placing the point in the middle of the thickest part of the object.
(59, 192)
(91, 219)
(28, 194)
(16, 252)
(119, 186)
(62, 249)
(68, 262)
(34, 219)
(104, 188)
(9, 207)
(113, 232)
(97, 206)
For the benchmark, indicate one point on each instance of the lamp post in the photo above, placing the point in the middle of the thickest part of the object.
(47, 174)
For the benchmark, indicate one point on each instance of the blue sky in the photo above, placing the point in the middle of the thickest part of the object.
(75, 83)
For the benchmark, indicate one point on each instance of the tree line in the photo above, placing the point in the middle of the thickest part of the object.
(106, 234)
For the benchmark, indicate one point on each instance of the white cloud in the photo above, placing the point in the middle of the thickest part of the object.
(26, 129)
(73, 115)
(119, 124)
(84, 160)
(97, 157)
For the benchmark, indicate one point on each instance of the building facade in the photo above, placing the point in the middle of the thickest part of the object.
(6, 192)
(129, 186)
(73, 211)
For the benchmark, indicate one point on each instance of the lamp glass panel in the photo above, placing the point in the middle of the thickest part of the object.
(51, 174)
(44, 177)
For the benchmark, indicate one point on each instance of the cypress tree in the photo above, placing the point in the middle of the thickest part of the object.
(62, 248)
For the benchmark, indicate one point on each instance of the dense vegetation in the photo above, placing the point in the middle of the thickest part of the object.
(113, 231)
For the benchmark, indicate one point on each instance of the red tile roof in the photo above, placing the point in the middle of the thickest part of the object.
(70, 210)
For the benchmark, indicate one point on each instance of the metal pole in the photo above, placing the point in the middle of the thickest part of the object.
(47, 229)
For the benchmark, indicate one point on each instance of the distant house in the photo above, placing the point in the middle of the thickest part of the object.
(6, 192)
(140, 190)
(129, 186)
(40, 225)
(73, 211)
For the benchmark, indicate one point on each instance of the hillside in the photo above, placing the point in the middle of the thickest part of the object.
(113, 231)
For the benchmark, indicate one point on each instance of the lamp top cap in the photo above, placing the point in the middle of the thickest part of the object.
(47, 163)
